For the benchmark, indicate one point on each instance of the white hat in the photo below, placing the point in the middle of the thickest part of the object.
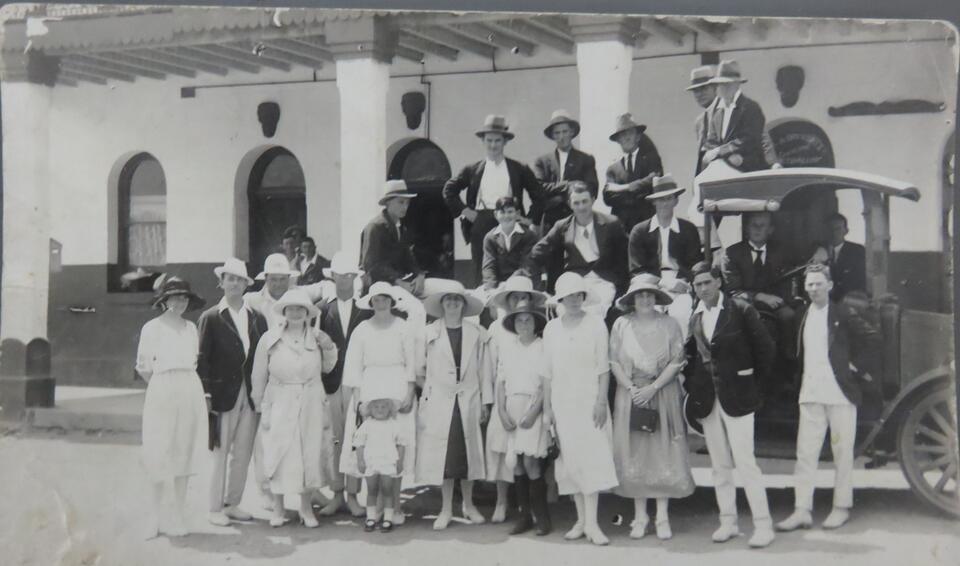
(395, 188)
(570, 283)
(296, 298)
(343, 264)
(378, 288)
(276, 264)
(517, 284)
(643, 282)
(233, 266)
(443, 287)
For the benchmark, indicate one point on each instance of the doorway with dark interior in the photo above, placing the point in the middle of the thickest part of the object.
(276, 195)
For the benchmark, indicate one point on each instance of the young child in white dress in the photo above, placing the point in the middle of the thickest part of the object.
(520, 392)
(380, 446)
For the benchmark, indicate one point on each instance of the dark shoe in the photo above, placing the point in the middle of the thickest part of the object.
(370, 525)
(538, 504)
(524, 523)
(386, 526)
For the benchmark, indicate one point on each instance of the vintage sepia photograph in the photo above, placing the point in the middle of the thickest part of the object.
(301, 285)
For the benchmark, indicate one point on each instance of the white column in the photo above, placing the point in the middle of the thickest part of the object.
(26, 219)
(604, 62)
(363, 84)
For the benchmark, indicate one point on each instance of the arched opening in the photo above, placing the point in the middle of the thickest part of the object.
(424, 167)
(140, 224)
(276, 200)
(801, 143)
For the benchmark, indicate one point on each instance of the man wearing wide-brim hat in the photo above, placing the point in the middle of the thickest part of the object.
(486, 181)
(278, 278)
(630, 178)
(735, 128)
(565, 163)
(386, 249)
(704, 92)
(668, 247)
(229, 333)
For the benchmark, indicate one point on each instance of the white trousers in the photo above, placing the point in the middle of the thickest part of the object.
(238, 426)
(730, 444)
(815, 418)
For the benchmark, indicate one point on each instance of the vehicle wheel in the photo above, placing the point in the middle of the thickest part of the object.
(927, 447)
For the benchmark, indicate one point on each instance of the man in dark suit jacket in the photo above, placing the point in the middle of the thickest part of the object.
(386, 253)
(832, 338)
(630, 178)
(486, 181)
(735, 128)
(310, 264)
(339, 316)
(847, 260)
(754, 269)
(593, 244)
(506, 247)
(229, 334)
(729, 351)
(683, 249)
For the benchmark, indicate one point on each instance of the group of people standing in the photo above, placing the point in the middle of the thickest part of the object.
(420, 380)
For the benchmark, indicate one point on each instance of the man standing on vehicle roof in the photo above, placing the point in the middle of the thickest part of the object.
(832, 338)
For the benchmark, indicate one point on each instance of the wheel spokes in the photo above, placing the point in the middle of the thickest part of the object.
(943, 423)
(930, 433)
(934, 449)
(948, 474)
(938, 463)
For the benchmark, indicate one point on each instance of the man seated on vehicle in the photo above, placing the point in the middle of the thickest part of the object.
(754, 270)
(847, 260)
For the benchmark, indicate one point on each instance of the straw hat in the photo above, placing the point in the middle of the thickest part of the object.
(664, 187)
(568, 284)
(728, 72)
(378, 288)
(276, 264)
(343, 264)
(517, 284)
(510, 321)
(443, 287)
(395, 188)
(625, 122)
(233, 266)
(296, 298)
(176, 287)
(700, 77)
(495, 124)
(561, 117)
(643, 282)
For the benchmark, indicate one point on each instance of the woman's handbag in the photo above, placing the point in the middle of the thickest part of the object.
(644, 419)
(553, 451)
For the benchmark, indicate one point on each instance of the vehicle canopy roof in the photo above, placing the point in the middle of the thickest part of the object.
(766, 190)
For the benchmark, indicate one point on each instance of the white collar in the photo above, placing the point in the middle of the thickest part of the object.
(753, 247)
(655, 224)
(222, 305)
(819, 310)
(491, 163)
(733, 104)
(517, 229)
(702, 307)
(562, 152)
(309, 260)
(578, 225)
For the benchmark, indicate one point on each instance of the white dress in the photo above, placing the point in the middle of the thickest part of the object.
(379, 363)
(518, 374)
(573, 360)
(174, 411)
(379, 440)
(495, 454)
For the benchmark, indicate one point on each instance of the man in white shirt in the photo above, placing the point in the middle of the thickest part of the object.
(278, 278)
(486, 181)
(310, 264)
(832, 337)
(735, 125)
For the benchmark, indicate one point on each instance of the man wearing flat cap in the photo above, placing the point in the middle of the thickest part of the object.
(386, 252)
(486, 181)
(556, 170)
(630, 178)
(735, 125)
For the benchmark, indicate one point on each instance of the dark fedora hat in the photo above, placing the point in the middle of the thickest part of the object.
(175, 287)
(561, 117)
(495, 124)
(693, 411)
(625, 122)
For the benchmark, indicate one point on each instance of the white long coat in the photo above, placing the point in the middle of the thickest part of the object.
(439, 391)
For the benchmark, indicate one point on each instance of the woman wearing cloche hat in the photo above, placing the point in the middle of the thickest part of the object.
(288, 393)
(646, 355)
(174, 410)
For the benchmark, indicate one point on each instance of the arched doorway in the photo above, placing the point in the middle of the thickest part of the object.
(276, 196)
(141, 225)
(801, 143)
(424, 167)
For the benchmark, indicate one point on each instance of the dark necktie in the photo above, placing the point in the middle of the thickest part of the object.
(630, 164)
(757, 260)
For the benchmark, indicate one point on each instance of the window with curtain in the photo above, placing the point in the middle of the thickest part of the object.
(142, 243)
